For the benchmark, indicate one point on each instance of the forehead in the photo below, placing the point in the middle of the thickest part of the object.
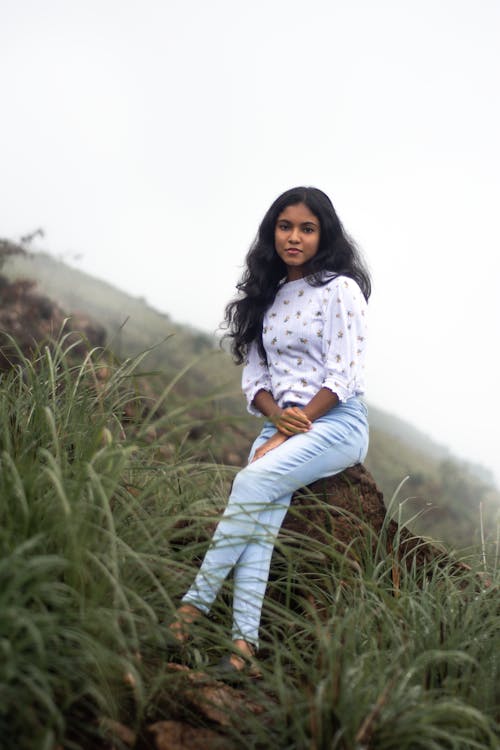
(298, 213)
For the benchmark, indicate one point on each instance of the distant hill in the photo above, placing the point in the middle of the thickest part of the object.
(454, 489)
(131, 324)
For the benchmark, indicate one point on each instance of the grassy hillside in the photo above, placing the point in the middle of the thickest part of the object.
(445, 494)
(100, 534)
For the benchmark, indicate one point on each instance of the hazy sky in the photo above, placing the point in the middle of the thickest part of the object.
(148, 139)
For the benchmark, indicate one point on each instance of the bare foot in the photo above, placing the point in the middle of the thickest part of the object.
(185, 616)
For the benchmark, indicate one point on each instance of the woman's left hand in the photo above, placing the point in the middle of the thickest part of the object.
(277, 439)
(291, 421)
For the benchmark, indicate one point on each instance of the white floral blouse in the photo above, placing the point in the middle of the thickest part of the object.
(314, 337)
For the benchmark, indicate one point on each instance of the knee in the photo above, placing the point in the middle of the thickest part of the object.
(248, 478)
(364, 447)
(241, 481)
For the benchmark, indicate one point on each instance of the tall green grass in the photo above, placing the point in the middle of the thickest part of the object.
(101, 528)
(84, 541)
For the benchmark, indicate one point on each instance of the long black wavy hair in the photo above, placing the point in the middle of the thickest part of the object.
(337, 255)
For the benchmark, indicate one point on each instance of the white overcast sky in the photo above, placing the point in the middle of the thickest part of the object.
(149, 137)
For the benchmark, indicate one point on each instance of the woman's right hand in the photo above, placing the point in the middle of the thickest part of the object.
(274, 441)
(291, 421)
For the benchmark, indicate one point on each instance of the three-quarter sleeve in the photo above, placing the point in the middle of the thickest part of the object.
(344, 344)
(255, 377)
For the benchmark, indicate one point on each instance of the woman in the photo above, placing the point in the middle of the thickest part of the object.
(299, 325)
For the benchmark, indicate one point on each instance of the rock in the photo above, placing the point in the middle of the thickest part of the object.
(116, 731)
(94, 332)
(221, 703)
(349, 508)
(176, 735)
(32, 318)
(212, 701)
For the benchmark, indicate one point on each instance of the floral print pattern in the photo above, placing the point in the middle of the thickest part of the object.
(314, 337)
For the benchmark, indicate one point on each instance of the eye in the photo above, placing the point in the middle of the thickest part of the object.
(283, 226)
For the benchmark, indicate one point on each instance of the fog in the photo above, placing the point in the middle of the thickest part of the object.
(149, 138)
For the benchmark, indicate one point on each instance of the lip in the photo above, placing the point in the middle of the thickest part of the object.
(292, 250)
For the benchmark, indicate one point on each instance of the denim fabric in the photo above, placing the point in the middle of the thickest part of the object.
(258, 503)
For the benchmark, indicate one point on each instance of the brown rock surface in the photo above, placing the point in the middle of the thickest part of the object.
(114, 730)
(31, 318)
(176, 735)
(349, 508)
(218, 702)
(214, 702)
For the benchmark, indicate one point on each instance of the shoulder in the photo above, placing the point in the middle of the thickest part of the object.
(345, 287)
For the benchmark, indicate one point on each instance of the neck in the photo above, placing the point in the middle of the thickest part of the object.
(294, 274)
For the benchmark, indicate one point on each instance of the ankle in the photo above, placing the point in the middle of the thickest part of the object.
(187, 613)
(244, 648)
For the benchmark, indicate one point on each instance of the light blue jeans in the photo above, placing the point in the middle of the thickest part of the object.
(259, 500)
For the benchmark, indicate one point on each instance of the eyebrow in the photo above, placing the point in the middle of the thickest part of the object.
(302, 223)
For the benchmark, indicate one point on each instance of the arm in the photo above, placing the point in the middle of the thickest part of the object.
(344, 342)
(293, 420)
(255, 378)
(289, 421)
(320, 404)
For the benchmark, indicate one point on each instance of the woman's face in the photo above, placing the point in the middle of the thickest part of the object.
(296, 238)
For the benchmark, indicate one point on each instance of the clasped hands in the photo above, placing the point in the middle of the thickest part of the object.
(290, 421)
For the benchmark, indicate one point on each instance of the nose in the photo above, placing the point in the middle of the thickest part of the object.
(294, 235)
